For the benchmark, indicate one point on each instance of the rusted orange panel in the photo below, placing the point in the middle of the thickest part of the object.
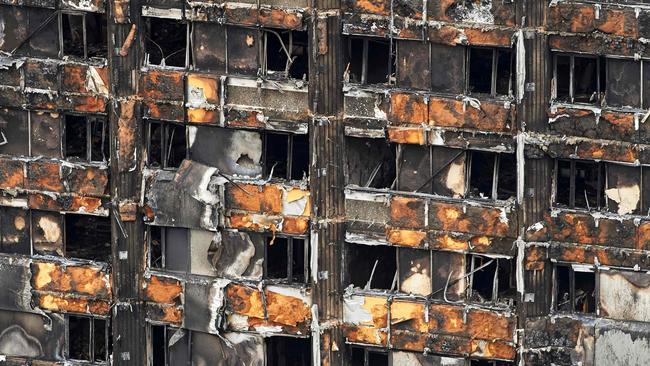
(172, 314)
(408, 341)
(408, 315)
(583, 229)
(446, 34)
(408, 108)
(45, 176)
(248, 197)
(491, 117)
(242, 118)
(286, 310)
(71, 304)
(484, 324)
(407, 135)
(89, 181)
(255, 222)
(470, 219)
(579, 18)
(535, 258)
(295, 225)
(377, 7)
(126, 135)
(165, 111)
(280, 18)
(595, 44)
(47, 276)
(446, 112)
(69, 203)
(245, 301)
(89, 104)
(12, 174)
(163, 290)
(449, 242)
(403, 237)
(199, 115)
(407, 212)
(446, 319)
(240, 15)
(643, 236)
(161, 85)
(597, 150)
(493, 349)
(495, 37)
(203, 87)
(367, 335)
(74, 78)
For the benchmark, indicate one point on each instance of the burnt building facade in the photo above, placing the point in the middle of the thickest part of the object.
(405, 182)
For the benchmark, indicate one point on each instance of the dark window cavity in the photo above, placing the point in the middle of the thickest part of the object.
(368, 61)
(371, 266)
(286, 259)
(165, 42)
(286, 156)
(575, 288)
(87, 237)
(285, 53)
(86, 138)
(88, 339)
(166, 145)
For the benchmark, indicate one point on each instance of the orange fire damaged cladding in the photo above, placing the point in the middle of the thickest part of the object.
(205, 88)
(69, 202)
(72, 304)
(471, 219)
(479, 332)
(84, 280)
(407, 135)
(445, 112)
(407, 212)
(607, 125)
(580, 18)
(279, 18)
(126, 135)
(281, 309)
(45, 176)
(255, 198)
(163, 290)
(596, 43)
(75, 77)
(452, 35)
(89, 181)
(161, 85)
(12, 174)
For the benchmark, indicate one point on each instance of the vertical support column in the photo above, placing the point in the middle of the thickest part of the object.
(326, 178)
(129, 332)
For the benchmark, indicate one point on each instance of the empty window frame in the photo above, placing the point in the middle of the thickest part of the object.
(166, 144)
(366, 356)
(286, 156)
(489, 71)
(370, 162)
(574, 288)
(285, 53)
(578, 79)
(369, 61)
(288, 351)
(165, 42)
(87, 237)
(490, 279)
(86, 137)
(285, 259)
(83, 35)
(628, 83)
(169, 248)
(492, 175)
(371, 266)
(88, 339)
(14, 231)
(579, 184)
(169, 346)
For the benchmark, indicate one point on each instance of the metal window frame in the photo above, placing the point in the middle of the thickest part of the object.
(163, 243)
(91, 339)
(599, 65)
(572, 289)
(495, 174)
(188, 44)
(90, 119)
(601, 202)
(166, 141)
(495, 283)
(289, 157)
(84, 32)
(494, 69)
(290, 242)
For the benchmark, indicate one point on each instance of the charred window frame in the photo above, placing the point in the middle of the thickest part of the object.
(169, 346)
(369, 61)
(489, 71)
(86, 137)
(87, 237)
(169, 248)
(501, 168)
(288, 351)
(286, 156)
(91, 338)
(286, 259)
(83, 34)
(15, 229)
(166, 144)
(285, 53)
(366, 356)
(579, 184)
(166, 42)
(575, 288)
(490, 279)
(568, 85)
(371, 266)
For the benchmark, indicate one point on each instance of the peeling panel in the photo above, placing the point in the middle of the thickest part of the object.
(32, 335)
(233, 152)
(624, 295)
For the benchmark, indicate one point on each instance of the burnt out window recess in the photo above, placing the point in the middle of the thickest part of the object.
(165, 42)
(86, 138)
(166, 144)
(88, 339)
(578, 79)
(87, 237)
(369, 61)
(288, 351)
(83, 35)
(492, 175)
(574, 288)
(14, 231)
(366, 356)
(286, 156)
(371, 266)
(169, 346)
(579, 184)
(490, 279)
(489, 71)
(628, 83)
(168, 248)
(370, 162)
(285, 259)
(285, 54)
(489, 363)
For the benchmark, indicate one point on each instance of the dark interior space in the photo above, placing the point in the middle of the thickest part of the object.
(96, 35)
(294, 42)
(585, 80)
(370, 162)
(277, 258)
(360, 356)
(155, 247)
(563, 285)
(88, 237)
(588, 185)
(76, 137)
(563, 77)
(167, 145)
(99, 139)
(354, 59)
(159, 345)
(299, 157)
(490, 363)
(575, 290)
(482, 279)
(378, 62)
(79, 338)
(288, 351)
(298, 261)
(504, 71)
(99, 335)
(165, 40)
(73, 35)
(276, 152)
(480, 70)
(361, 259)
(585, 284)
(563, 182)
(507, 182)
(481, 173)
